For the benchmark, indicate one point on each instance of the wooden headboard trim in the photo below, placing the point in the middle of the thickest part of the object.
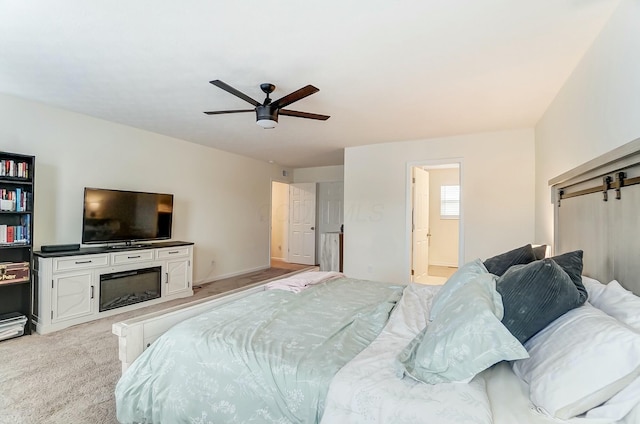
(617, 158)
(596, 209)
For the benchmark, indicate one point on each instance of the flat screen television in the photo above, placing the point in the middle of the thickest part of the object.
(112, 216)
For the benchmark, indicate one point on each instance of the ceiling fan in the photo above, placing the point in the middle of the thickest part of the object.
(268, 111)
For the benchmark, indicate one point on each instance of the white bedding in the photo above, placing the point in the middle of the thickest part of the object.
(299, 282)
(368, 390)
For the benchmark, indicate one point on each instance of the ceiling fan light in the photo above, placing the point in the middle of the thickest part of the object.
(267, 123)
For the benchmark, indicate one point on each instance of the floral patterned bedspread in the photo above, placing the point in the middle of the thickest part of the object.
(266, 358)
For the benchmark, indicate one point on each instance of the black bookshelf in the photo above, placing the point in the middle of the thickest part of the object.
(17, 173)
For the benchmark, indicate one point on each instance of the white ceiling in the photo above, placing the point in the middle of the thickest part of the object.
(386, 70)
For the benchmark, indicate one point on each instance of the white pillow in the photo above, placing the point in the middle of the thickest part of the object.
(620, 405)
(624, 306)
(579, 361)
(620, 303)
(594, 288)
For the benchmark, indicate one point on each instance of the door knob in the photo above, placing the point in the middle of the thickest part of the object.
(313, 228)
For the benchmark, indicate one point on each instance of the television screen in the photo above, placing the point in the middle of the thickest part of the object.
(125, 216)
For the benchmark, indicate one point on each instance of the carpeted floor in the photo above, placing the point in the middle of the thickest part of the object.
(68, 377)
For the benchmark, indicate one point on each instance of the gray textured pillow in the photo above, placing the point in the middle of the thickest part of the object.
(499, 264)
(534, 295)
(540, 252)
(571, 263)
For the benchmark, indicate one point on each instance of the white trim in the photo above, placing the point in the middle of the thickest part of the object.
(234, 274)
(408, 182)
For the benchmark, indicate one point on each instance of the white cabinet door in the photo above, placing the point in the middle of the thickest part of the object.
(178, 273)
(72, 295)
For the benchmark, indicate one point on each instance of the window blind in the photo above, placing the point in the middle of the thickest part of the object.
(449, 201)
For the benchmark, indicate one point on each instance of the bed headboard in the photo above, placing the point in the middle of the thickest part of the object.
(597, 209)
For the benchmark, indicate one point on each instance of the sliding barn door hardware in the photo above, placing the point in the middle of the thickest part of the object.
(620, 176)
(606, 185)
(560, 197)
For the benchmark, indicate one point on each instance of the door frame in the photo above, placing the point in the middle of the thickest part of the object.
(285, 240)
(409, 206)
(313, 224)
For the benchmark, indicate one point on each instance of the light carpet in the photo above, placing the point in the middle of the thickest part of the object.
(69, 377)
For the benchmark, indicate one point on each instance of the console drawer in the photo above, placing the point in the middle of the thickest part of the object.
(80, 262)
(175, 252)
(130, 257)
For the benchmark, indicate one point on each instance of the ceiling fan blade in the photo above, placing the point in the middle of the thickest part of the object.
(220, 112)
(303, 114)
(295, 96)
(228, 88)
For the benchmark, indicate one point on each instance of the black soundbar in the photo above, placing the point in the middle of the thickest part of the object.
(59, 247)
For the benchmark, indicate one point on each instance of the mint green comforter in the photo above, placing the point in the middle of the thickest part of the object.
(266, 358)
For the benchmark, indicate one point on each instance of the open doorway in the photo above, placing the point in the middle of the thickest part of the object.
(293, 224)
(435, 221)
(279, 224)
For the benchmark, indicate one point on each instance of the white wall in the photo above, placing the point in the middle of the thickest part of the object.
(596, 111)
(221, 200)
(443, 247)
(318, 174)
(497, 198)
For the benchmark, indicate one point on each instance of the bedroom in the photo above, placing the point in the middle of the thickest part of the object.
(594, 112)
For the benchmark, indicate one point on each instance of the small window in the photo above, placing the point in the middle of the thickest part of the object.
(450, 202)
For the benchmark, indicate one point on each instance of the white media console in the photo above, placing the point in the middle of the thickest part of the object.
(72, 287)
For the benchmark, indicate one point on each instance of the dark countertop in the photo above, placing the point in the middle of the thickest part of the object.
(113, 248)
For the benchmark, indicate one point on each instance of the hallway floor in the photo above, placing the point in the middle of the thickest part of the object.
(438, 275)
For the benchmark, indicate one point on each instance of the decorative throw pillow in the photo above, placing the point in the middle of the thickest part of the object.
(499, 264)
(571, 263)
(462, 276)
(465, 338)
(534, 295)
(540, 252)
(579, 361)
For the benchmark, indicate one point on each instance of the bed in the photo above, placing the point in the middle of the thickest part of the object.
(320, 349)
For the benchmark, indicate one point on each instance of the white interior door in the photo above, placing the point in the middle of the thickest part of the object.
(330, 209)
(302, 223)
(420, 226)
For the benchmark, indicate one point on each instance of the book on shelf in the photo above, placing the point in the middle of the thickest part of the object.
(18, 197)
(14, 272)
(26, 222)
(12, 168)
(16, 234)
(17, 200)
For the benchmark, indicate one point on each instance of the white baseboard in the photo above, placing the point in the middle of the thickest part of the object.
(232, 274)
